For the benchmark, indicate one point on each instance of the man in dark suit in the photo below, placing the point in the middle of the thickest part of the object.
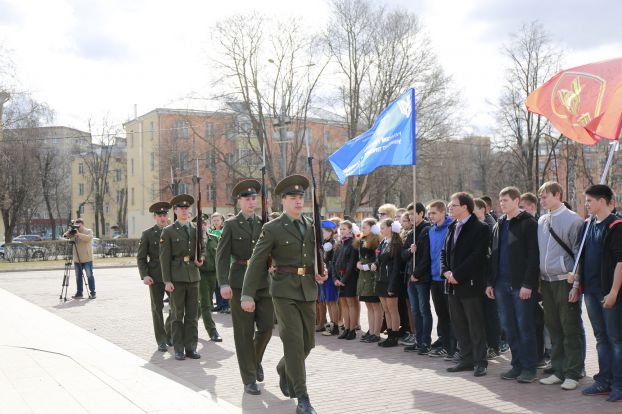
(463, 264)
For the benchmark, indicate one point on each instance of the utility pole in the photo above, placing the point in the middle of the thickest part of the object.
(281, 124)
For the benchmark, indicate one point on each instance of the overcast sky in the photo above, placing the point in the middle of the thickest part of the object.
(91, 58)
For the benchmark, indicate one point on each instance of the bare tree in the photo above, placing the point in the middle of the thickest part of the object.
(379, 54)
(532, 60)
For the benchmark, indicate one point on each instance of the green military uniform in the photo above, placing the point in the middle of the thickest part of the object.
(208, 281)
(293, 287)
(238, 239)
(148, 259)
(177, 251)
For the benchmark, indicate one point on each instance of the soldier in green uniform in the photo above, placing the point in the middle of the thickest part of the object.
(148, 259)
(239, 236)
(208, 280)
(180, 272)
(290, 241)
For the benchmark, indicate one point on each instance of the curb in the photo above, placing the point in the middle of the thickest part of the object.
(61, 268)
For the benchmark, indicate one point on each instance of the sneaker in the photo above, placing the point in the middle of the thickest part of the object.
(552, 380)
(424, 350)
(327, 332)
(492, 353)
(93, 296)
(569, 384)
(408, 340)
(615, 396)
(373, 338)
(457, 357)
(77, 296)
(511, 374)
(527, 376)
(543, 363)
(365, 335)
(411, 348)
(437, 344)
(438, 352)
(596, 389)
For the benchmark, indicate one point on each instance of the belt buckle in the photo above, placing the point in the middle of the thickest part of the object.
(186, 259)
(301, 271)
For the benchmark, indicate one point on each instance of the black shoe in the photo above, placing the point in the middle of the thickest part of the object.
(259, 373)
(365, 336)
(351, 335)
(373, 338)
(92, 295)
(460, 367)
(390, 341)
(304, 406)
(480, 371)
(411, 348)
(169, 342)
(437, 344)
(424, 350)
(252, 389)
(77, 296)
(344, 334)
(215, 337)
(193, 354)
(335, 330)
(216, 309)
(162, 347)
(180, 356)
(512, 374)
(283, 382)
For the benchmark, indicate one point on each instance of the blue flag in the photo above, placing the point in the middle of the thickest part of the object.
(391, 141)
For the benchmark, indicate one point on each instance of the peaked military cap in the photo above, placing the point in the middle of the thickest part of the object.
(293, 185)
(182, 200)
(205, 218)
(246, 188)
(161, 207)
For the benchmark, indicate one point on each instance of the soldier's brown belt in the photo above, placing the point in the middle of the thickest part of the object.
(241, 262)
(185, 259)
(300, 271)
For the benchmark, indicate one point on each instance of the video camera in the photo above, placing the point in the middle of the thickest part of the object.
(73, 229)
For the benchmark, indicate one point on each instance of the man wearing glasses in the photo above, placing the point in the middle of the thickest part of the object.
(148, 259)
(180, 273)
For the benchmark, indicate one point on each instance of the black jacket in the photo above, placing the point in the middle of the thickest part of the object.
(523, 252)
(612, 254)
(468, 259)
(388, 268)
(344, 262)
(423, 263)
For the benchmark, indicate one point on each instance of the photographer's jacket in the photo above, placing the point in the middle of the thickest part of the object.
(83, 251)
(148, 256)
(177, 251)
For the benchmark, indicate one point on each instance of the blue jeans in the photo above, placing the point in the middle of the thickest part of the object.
(88, 269)
(419, 297)
(607, 326)
(518, 322)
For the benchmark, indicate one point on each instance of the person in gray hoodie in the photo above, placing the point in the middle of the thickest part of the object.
(558, 242)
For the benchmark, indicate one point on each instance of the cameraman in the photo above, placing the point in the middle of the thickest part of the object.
(82, 256)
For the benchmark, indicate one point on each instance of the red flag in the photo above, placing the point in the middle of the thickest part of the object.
(583, 103)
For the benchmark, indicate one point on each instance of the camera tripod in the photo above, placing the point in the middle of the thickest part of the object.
(68, 265)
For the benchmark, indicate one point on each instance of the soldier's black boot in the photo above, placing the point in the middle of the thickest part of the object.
(283, 382)
(252, 389)
(304, 406)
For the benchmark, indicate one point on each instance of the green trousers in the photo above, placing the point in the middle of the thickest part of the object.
(161, 329)
(562, 320)
(184, 301)
(297, 331)
(250, 344)
(206, 292)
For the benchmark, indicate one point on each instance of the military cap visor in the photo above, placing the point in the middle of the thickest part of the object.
(182, 200)
(292, 185)
(205, 218)
(161, 207)
(246, 188)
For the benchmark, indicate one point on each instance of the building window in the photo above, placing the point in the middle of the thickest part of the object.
(152, 130)
(81, 169)
(132, 166)
(152, 162)
(182, 188)
(118, 196)
(210, 160)
(153, 192)
(117, 174)
(181, 129)
(183, 160)
(209, 130)
(107, 208)
(210, 192)
(107, 228)
(132, 195)
(249, 158)
(81, 189)
(229, 159)
(82, 209)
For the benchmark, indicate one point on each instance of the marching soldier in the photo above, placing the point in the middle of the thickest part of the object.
(239, 236)
(289, 239)
(180, 272)
(148, 259)
(208, 280)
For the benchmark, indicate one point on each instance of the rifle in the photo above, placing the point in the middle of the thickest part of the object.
(264, 195)
(199, 218)
(317, 222)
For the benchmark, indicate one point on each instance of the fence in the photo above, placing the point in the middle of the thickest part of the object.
(57, 249)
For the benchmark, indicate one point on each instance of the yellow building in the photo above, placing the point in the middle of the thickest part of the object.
(101, 172)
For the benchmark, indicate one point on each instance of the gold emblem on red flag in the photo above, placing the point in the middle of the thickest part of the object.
(578, 97)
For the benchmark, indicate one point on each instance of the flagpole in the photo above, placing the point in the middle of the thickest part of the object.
(414, 209)
(603, 180)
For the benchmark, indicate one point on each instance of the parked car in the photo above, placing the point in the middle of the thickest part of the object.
(18, 250)
(2, 251)
(28, 238)
(104, 248)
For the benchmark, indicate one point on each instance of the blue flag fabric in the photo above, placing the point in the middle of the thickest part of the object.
(390, 141)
